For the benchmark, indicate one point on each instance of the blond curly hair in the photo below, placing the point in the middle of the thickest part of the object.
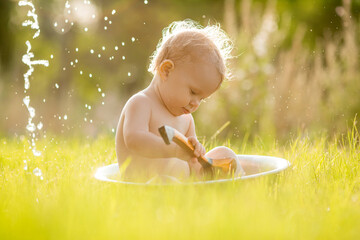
(184, 39)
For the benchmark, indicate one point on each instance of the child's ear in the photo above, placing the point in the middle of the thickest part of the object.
(165, 68)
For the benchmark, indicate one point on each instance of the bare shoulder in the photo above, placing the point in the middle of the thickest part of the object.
(138, 101)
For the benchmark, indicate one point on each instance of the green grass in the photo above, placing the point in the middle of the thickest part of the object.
(317, 197)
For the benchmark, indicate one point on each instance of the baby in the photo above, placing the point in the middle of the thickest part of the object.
(188, 65)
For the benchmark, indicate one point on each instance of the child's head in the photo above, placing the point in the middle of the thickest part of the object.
(191, 63)
(187, 41)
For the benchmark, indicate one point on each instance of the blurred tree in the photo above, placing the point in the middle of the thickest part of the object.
(119, 77)
(6, 35)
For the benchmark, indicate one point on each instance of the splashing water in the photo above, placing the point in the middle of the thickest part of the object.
(37, 172)
(27, 59)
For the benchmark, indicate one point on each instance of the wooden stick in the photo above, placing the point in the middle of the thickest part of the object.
(170, 134)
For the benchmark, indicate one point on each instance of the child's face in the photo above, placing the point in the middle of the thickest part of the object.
(184, 86)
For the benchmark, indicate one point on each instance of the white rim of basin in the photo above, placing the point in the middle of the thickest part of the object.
(275, 165)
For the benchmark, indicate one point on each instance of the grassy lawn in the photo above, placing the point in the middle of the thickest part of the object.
(317, 197)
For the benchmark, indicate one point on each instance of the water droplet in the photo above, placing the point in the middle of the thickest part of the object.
(99, 89)
(105, 28)
(113, 11)
(103, 94)
(36, 152)
(91, 51)
(40, 126)
(110, 22)
(133, 39)
(51, 56)
(93, 16)
(89, 107)
(122, 44)
(90, 75)
(67, 5)
(105, 18)
(86, 29)
(81, 72)
(65, 117)
(66, 20)
(146, 2)
(123, 57)
(129, 74)
(99, 55)
(116, 48)
(56, 85)
(55, 24)
(26, 100)
(25, 165)
(71, 63)
(31, 127)
(44, 100)
(37, 172)
(76, 61)
(103, 48)
(113, 130)
(76, 49)
(31, 111)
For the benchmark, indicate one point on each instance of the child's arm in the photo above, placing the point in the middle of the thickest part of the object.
(137, 137)
(191, 135)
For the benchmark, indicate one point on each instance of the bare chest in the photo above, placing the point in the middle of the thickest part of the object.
(160, 116)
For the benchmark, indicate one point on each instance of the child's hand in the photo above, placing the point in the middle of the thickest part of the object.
(199, 148)
(198, 151)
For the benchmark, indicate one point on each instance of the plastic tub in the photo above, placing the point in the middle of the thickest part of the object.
(254, 166)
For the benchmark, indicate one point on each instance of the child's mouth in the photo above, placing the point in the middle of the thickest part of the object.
(185, 111)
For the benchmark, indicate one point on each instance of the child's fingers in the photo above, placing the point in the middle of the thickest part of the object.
(203, 151)
(198, 149)
(192, 140)
(195, 143)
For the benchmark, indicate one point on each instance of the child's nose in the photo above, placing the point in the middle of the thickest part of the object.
(195, 102)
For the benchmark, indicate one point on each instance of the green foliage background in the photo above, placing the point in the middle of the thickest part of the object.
(308, 78)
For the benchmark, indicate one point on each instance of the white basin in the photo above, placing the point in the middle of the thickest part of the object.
(254, 166)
